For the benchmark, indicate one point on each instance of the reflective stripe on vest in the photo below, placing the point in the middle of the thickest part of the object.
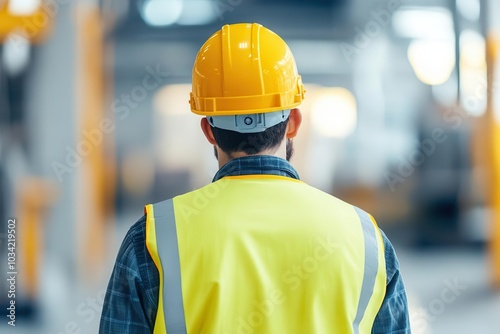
(162, 241)
(169, 267)
(371, 266)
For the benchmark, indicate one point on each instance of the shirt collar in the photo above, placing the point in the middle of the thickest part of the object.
(257, 165)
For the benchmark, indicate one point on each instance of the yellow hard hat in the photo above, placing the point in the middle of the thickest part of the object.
(242, 69)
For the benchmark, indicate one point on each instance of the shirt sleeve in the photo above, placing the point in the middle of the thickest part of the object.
(132, 295)
(393, 316)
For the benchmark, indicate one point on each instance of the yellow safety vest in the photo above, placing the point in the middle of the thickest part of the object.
(265, 254)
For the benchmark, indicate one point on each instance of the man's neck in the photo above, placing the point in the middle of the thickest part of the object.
(224, 158)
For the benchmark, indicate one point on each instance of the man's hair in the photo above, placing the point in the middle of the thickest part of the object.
(250, 143)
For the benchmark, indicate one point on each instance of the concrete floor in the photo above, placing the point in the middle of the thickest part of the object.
(448, 291)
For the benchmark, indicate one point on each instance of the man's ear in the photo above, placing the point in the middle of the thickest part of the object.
(294, 121)
(207, 131)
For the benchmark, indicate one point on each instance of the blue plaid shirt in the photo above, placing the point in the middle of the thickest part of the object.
(132, 296)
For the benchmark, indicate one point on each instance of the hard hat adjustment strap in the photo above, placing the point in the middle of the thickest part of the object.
(249, 123)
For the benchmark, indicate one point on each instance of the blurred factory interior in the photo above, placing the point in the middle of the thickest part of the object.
(402, 118)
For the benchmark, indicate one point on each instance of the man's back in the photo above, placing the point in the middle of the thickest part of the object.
(256, 249)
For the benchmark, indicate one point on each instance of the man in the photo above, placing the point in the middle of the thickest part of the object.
(257, 250)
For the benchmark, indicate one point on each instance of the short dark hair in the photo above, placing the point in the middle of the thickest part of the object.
(250, 143)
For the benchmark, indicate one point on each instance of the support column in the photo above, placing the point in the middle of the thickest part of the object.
(95, 132)
(493, 131)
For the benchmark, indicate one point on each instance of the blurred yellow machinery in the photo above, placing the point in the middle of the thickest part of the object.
(34, 198)
(98, 168)
(493, 153)
(33, 25)
(36, 195)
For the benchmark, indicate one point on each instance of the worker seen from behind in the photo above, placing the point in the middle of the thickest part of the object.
(257, 250)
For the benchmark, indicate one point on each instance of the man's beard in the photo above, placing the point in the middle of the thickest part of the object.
(289, 150)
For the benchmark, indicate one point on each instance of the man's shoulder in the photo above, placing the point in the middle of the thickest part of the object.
(135, 237)
(138, 229)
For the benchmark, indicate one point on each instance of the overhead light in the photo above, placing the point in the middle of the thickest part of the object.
(16, 53)
(160, 13)
(469, 9)
(473, 76)
(23, 7)
(333, 112)
(432, 60)
(420, 22)
(171, 99)
(197, 12)
(472, 48)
